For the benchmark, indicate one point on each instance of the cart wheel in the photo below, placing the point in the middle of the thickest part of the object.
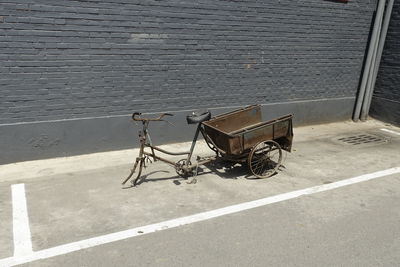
(265, 159)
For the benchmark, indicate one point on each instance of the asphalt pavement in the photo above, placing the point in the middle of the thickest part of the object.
(334, 203)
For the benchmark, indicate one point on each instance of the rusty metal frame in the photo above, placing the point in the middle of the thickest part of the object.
(230, 135)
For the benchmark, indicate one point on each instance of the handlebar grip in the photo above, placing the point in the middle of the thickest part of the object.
(149, 119)
(136, 114)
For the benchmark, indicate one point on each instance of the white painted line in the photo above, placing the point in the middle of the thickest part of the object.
(390, 131)
(21, 230)
(104, 239)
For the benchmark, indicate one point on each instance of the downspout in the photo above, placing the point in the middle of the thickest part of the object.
(361, 93)
(367, 103)
(371, 71)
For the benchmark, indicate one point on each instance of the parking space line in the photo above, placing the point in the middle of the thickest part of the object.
(105, 239)
(390, 131)
(21, 229)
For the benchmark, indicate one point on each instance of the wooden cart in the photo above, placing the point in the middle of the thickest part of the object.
(242, 136)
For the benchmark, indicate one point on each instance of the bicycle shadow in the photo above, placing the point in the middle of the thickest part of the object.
(176, 178)
(234, 170)
(227, 169)
(143, 179)
(222, 169)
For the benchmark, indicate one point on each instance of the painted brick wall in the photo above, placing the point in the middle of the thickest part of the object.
(76, 59)
(386, 100)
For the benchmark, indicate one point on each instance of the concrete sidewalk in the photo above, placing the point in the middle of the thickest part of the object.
(48, 167)
(71, 199)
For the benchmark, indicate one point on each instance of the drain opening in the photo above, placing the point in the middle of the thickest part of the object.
(360, 139)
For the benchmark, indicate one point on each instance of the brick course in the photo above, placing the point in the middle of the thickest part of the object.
(386, 99)
(76, 59)
(387, 84)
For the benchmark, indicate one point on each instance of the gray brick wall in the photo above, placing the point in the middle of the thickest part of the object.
(75, 59)
(386, 99)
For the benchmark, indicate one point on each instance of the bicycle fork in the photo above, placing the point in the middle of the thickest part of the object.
(140, 160)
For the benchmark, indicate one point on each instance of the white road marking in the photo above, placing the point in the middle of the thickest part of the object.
(21, 230)
(390, 131)
(104, 239)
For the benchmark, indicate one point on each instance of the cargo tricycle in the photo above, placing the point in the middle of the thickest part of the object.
(237, 136)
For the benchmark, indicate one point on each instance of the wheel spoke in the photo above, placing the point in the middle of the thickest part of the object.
(260, 159)
(258, 164)
(265, 158)
(263, 169)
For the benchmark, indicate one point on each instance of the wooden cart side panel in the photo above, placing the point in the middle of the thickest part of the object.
(236, 145)
(286, 141)
(254, 136)
(231, 145)
(220, 139)
(280, 130)
(236, 120)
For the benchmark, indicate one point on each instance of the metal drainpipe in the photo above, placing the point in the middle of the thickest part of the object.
(361, 93)
(386, 22)
(371, 72)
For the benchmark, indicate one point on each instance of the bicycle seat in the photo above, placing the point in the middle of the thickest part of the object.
(197, 117)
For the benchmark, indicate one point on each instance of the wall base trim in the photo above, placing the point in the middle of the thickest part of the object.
(29, 141)
(386, 110)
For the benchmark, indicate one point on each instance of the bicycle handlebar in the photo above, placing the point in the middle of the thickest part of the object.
(159, 118)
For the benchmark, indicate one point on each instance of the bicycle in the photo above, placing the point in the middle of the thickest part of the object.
(183, 167)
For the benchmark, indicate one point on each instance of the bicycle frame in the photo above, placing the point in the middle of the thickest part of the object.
(145, 142)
